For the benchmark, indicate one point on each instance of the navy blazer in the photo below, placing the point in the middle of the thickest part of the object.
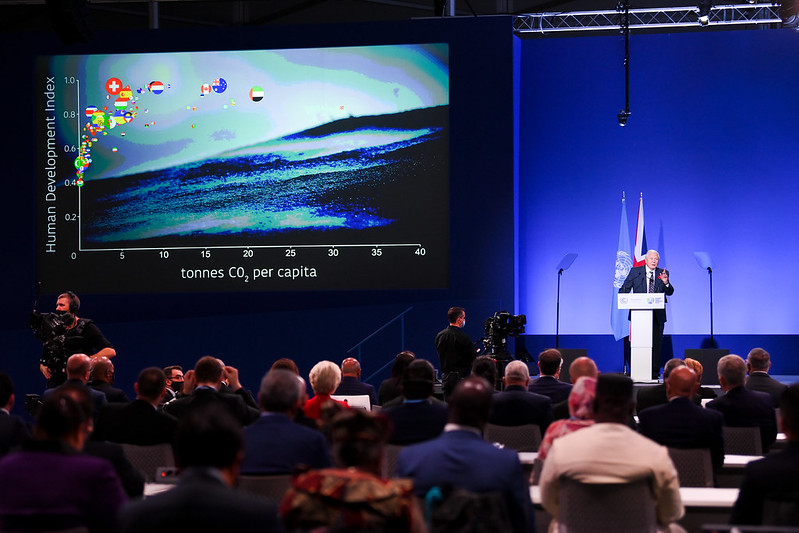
(416, 421)
(636, 282)
(772, 476)
(464, 460)
(515, 406)
(136, 423)
(98, 398)
(680, 423)
(274, 444)
(202, 502)
(761, 381)
(742, 407)
(351, 386)
(556, 390)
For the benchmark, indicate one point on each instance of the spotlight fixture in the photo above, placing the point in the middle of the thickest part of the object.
(704, 12)
(624, 114)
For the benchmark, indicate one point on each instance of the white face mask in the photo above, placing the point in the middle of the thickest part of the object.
(463, 324)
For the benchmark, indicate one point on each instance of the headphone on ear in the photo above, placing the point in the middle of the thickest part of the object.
(74, 302)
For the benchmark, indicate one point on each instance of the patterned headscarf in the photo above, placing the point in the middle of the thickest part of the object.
(581, 399)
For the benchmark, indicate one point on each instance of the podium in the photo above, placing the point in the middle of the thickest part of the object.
(641, 305)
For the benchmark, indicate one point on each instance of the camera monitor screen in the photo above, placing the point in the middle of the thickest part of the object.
(290, 169)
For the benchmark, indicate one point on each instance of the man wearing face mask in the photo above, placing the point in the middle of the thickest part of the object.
(455, 351)
(63, 334)
(174, 382)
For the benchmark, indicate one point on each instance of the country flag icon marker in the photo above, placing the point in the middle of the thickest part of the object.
(256, 94)
(113, 86)
(156, 87)
(205, 89)
(219, 85)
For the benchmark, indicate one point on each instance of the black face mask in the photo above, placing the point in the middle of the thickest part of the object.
(177, 386)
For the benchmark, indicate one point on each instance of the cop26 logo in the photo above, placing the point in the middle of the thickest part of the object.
(623, 265)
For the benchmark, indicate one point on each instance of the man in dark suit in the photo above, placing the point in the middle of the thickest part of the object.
(208, 448)
(79, 367)
(650, 395)
(350, 381)
(13, 430)
(758, 363)
(647, 278)
(740, 406)
(102, 379)
(174, 382)
(680, 423)
(516, 406)
(549, 364)
(274, 443)
(775, 476)
(417, 418)
(208, 375)
(139, 422)
(460, 458)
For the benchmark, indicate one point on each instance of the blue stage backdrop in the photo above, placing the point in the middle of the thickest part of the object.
(711, 146)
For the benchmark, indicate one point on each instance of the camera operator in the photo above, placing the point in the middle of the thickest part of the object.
(63, 334)
(455, 351)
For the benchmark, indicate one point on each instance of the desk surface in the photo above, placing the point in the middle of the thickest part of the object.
(691, 497)
(730, 461)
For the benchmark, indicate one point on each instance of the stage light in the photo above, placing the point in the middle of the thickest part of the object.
(704, 12)
(624, 114)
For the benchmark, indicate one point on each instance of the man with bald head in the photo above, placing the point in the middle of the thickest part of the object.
(462, 459)
(350, 381)
(681, 423)
(102, 379)
(79, 368)
(740, 406)
(515, 405)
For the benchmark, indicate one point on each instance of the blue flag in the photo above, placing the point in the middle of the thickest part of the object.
(624, 262)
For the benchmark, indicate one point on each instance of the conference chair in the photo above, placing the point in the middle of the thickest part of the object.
(360, 401)
(148, 459)
(694, 466)
(525, 438)
(606, 507)
(742, 441)
(538, 465)
(271, 487)
(390, 456)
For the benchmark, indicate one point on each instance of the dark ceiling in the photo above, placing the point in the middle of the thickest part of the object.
(34, 15)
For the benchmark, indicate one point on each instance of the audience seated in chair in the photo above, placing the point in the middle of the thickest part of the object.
(680, 423)
(515, 405)
(776, 476)
(418, 418)
(139, 422)
(581, 407)
(102, 379)
(549, 363)
(392, 387)
(209, 446)
(485, 366)
(704, 393)
(740, 406)
(325, 377)
(49, 484)
(351, 383)
(580, 367)
(353, 496)
(284, 363)
(205, 382)
(459, 458)
(14, 432)
(758, 363)
(649, 396)
(611, 452)
(275, 444)
(79, 368)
